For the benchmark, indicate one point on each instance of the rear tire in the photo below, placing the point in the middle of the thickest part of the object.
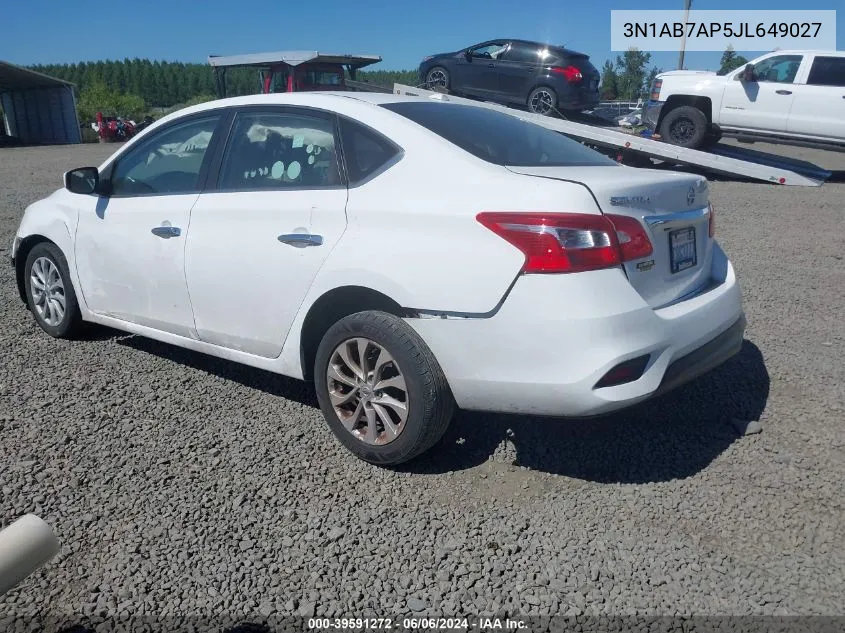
(353, 402)
(49, 292)
(684, 126)
(543, 100)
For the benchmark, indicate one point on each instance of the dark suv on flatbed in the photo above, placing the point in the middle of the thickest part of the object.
(544, 78)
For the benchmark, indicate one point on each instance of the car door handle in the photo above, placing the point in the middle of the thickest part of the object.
(784, 92)
(301, 240)
(491, 65)
(167, 231)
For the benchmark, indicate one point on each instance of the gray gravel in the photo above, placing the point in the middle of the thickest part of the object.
(181, 485)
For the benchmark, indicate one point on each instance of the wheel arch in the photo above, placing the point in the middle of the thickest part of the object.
(334, 305)
(675, 101)
(23, 251)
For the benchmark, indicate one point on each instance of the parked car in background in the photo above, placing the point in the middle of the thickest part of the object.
(517, 72)
(288, 232)
(789, 97)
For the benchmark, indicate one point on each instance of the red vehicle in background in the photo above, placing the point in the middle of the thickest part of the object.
(294, 71)
(113, 128)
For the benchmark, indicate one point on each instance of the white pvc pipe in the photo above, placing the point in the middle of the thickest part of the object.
(25, 546)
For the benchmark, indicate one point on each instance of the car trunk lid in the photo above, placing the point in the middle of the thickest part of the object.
(674, 209)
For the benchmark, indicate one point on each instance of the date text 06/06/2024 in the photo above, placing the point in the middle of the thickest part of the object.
(807, 30)
(413, 624)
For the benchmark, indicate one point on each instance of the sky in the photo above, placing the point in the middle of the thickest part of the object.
(402, 33)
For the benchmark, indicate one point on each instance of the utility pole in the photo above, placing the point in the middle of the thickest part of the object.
(687, 4)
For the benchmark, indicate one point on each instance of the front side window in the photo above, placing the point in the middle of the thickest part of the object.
(278, 150)
(497, 137)
(170, 162)
(780, 69)
(489, 51)
(827, 71)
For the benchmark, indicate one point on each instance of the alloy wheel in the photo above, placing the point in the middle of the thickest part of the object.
(437, 78)
(368, 391)
(542, 102)
(48, 291)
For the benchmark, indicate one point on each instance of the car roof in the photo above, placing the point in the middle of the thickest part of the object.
(329, 99)
(797, 51)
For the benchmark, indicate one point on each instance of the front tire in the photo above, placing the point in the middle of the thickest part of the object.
(437, 79)
(685, 126)
(380, 388)
(49, 292)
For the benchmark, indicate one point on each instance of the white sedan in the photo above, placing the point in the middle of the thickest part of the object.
(407, 255)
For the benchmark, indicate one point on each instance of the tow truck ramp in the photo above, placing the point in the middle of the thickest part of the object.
(726, 160)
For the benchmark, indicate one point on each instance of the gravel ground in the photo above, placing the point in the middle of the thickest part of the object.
(181, 485)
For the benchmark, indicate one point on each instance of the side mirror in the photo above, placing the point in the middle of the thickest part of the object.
(83, 180)
(747, 73)
(468, 55)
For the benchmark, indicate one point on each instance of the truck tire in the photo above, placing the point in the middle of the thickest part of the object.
(685, 126)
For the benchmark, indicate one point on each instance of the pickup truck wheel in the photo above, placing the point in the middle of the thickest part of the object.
(685, 126)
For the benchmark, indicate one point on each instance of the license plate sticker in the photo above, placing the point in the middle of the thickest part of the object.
(682, 251)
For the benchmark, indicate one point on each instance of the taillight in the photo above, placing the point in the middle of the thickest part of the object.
(571, 73)
(570, 242)
(711, 224)
(633, 240)
(655, 90)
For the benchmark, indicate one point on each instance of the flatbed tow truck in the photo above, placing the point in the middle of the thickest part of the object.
(294, 71)
(725, 160)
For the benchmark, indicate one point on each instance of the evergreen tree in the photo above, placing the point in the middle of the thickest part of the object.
(730, 61)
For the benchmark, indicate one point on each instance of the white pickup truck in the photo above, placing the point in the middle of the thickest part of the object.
(787, 97)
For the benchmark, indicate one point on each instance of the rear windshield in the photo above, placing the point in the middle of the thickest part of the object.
(497, 137)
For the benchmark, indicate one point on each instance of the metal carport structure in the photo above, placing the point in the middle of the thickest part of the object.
(38, 109)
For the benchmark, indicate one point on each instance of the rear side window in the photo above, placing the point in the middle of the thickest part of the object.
(499, 138)
(365, 151)
(827, 71)
(523, 53)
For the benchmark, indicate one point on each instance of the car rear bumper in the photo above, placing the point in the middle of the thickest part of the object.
(556, 336)
(578, 99)
(651, 114)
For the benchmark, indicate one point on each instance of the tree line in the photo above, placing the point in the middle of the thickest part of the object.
(135, 87)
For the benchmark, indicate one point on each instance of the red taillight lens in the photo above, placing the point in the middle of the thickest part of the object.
(633, 240)
(711, 225)
(571, 73)
(570, 242)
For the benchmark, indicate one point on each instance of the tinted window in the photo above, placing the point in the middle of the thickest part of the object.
(523, 53)
(169, 162)
(779, 69)
(827, 71)
(489, 51)
(278, 150)
(364, 151)
(497, 137)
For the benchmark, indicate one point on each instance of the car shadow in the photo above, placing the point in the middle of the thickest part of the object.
(266, 381)
(670, 437)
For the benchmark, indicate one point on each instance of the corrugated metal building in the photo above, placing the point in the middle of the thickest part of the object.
(37, 109)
